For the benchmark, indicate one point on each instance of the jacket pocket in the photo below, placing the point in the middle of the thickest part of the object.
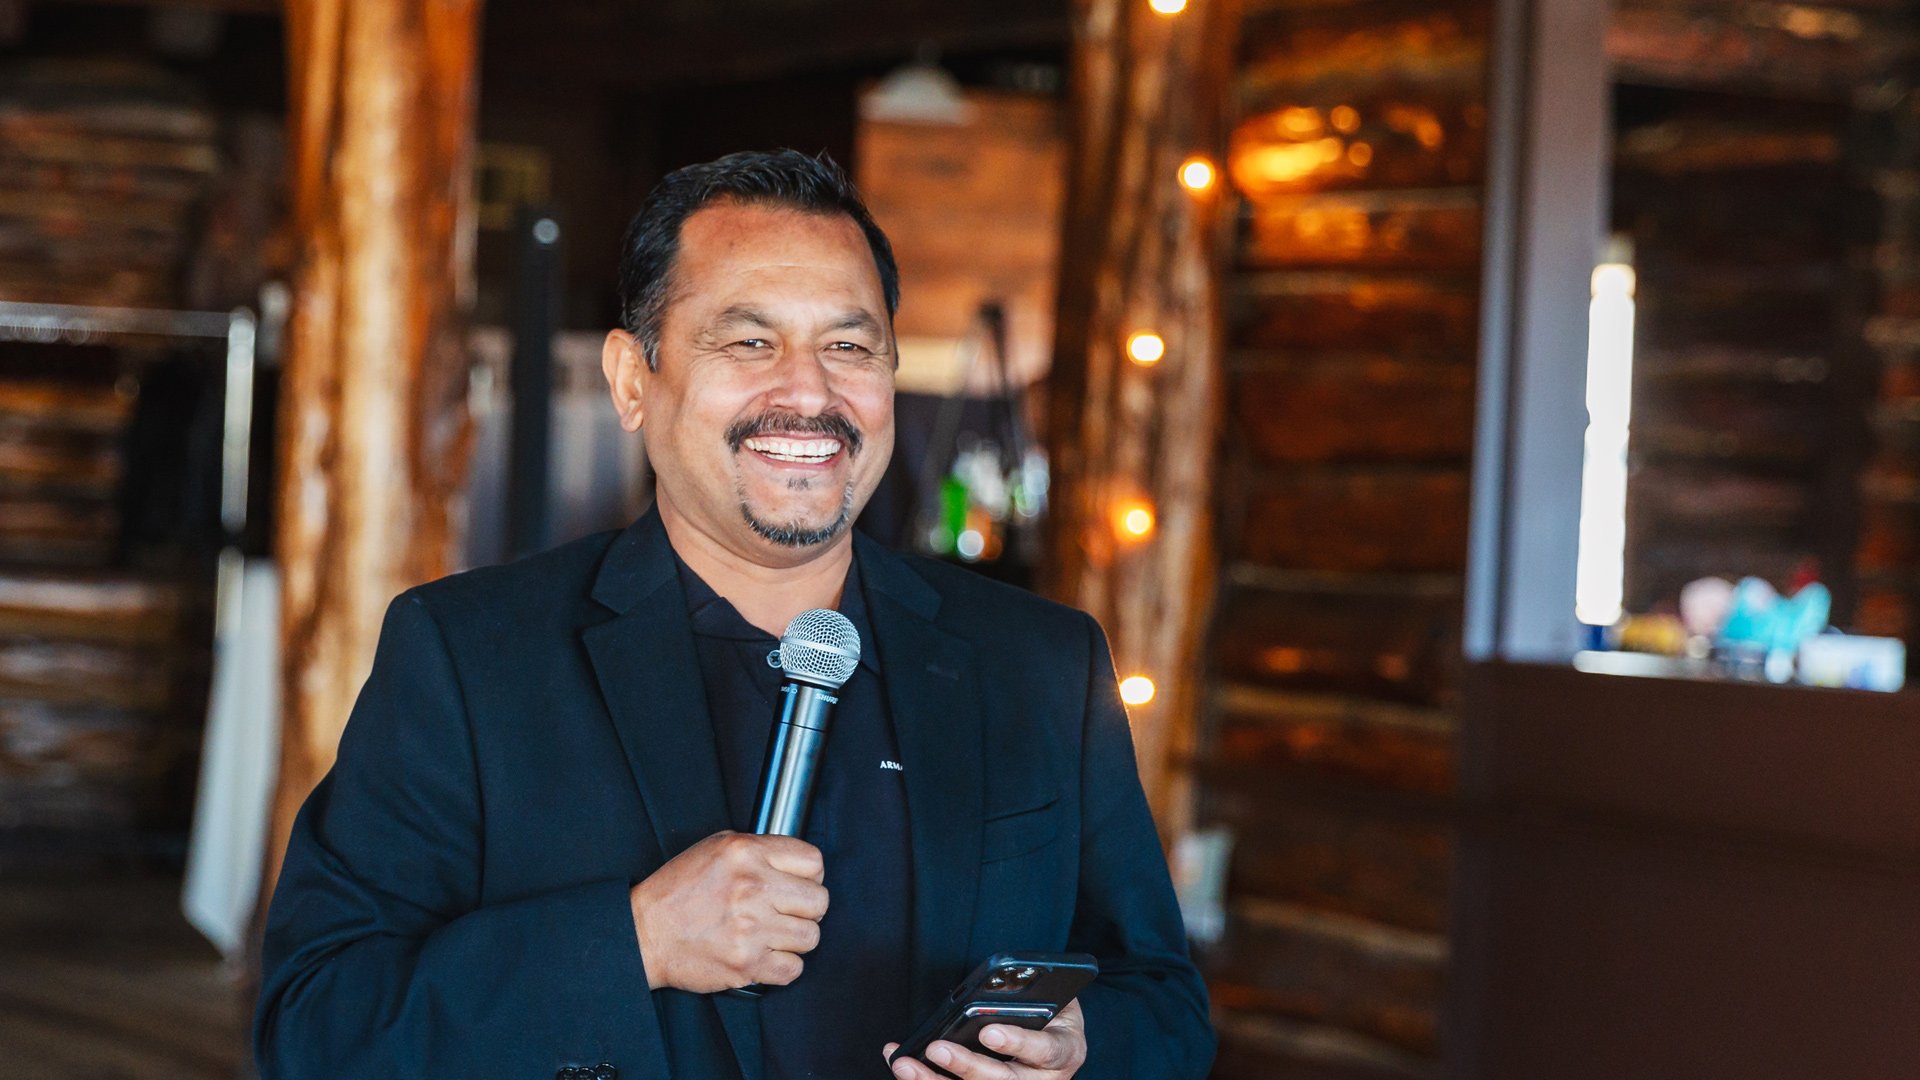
(1020, 832)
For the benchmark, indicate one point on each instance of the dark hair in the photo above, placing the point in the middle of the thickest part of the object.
(787, 178)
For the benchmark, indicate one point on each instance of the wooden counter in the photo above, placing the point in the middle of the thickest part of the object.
(1685, 879)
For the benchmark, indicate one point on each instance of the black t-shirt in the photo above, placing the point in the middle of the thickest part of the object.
(851, 999)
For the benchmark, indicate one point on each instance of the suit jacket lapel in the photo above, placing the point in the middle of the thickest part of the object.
(933, 693)
(649, 674)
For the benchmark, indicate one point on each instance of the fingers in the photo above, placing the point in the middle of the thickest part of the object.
(798, 897)
(907, 1068)
(968, 1065)
(1060, 1047)
(903, 1069)
(777, 969)
(787, 933)
(792, 856)
(1048, 1050)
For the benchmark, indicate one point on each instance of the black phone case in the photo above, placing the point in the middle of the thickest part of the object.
(1060, 978)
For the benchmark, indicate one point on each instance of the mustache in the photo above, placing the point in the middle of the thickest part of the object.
(790, 424)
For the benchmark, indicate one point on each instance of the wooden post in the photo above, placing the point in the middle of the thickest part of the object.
(372, 410)
(1142, 253)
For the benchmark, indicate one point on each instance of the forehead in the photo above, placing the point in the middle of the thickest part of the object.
(737, 242)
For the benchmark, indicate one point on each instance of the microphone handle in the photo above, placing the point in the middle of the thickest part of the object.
(793, 759)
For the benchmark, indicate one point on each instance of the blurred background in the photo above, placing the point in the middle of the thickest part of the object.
(1488, 429)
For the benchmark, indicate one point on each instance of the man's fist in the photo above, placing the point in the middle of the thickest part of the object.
(732, 910)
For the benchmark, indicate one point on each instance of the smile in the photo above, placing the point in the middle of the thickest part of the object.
(801, 451)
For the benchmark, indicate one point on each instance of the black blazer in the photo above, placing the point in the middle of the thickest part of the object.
(532, 741)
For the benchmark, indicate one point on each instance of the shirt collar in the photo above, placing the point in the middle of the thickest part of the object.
(713, 616)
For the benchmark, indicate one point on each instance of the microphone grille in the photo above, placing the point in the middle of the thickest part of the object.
(820, 646)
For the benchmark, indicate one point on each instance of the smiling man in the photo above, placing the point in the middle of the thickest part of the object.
(532, 857)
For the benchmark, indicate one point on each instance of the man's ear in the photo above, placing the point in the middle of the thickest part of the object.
(624, 364)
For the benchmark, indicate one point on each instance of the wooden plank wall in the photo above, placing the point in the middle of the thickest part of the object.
(1888, 559)
(1328, 739)
(105, 171)
(1747, 154)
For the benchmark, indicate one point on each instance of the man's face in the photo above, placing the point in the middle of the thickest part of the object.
(770, 419)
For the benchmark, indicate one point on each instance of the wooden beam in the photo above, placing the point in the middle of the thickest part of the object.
(1141, 252)
(373, 417)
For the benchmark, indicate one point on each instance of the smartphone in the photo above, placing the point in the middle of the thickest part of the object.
(1020, 989)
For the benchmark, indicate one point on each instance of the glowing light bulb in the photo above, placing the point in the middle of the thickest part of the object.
(1134, 518)
(1168, 7)
(1146, 347)
(1136, 689)
(1196, 174)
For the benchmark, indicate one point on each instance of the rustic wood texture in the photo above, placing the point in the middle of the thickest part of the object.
(1353, 974)
(1255, 1046)
(372, 404)
(1887, 558)
(101, 608)
(1410, 317)
(1752, 376)
(104, 978)
(1364, 96)
(1819, 51)
(938, 189)
(1141, 252)
(1384, 642)
(1352, 324)
(103, 163)
(1357, 519)
(1393, 875)
(1396, 746)
(98, 718)
(1418, 230)
(90, 408)
(1354, 410)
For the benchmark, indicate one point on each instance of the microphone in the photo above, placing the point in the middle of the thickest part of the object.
(819, 653)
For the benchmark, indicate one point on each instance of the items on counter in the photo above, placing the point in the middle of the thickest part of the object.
(1748, 630)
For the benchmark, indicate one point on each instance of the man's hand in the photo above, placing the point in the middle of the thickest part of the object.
(732, 910)
(1055, 1052)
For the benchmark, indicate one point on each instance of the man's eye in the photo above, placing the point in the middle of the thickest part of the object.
(846, 346)
(753, 343)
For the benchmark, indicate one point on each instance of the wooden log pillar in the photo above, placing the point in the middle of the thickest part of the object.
(372, 413)
(1141, 252)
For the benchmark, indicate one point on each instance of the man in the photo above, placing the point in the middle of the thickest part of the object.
(531, 857)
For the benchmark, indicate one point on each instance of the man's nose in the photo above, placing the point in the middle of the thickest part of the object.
(804, 385)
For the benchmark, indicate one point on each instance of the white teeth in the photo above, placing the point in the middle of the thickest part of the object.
(811, 451)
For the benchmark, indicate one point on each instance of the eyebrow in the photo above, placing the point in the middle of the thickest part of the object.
(743, 315)
(857, 320)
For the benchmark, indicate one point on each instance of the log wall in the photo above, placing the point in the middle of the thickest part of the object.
(1747, 154)
(1888, 557)
(105, 589)
(1327, 744)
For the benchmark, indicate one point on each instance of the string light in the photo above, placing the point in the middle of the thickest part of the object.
(1134, 519)
(1146, 348)
(1168, 7)
(1136, 689)
(1196, 174)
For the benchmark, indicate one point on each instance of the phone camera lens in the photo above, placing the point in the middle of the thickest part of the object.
(1026, 974)
(997, 981)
